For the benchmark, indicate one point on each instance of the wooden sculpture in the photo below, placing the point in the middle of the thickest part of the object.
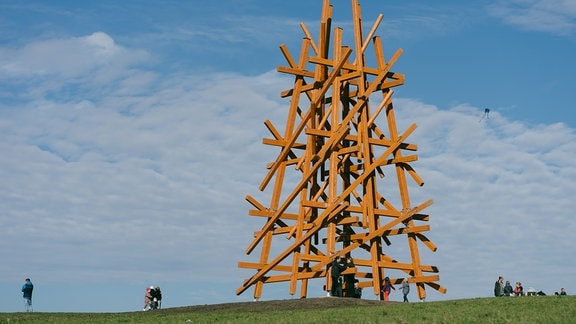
(339, 157)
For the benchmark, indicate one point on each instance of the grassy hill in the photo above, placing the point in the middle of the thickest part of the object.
(540, 309)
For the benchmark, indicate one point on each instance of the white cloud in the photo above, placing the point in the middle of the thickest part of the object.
(145, 181)
(502, 196)
(75, 66)
(95, 180)
(550, 16)
(69, 57)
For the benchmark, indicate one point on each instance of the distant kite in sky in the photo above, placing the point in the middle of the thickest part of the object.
(486, 114)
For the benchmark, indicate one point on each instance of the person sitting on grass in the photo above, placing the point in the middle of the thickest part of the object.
(518, 290)
(508, 291)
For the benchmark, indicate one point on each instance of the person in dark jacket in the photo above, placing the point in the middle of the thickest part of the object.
(508, 290)
(499, 287)
(357, 289)
(335, 273)
(349, 279)
(156, 294)
(27, 289)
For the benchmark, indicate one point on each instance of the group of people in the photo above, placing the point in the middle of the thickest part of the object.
(351, 284)
(152, 298)
(501, 289)
(388, 287)
(561, 293)
(351, 287)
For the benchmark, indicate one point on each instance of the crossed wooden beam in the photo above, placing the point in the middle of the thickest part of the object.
(340, 157)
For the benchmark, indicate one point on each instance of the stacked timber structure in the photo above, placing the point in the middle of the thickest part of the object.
(342, 160)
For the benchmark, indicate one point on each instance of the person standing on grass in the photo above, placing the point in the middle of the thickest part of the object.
(349, 279)
(158, 296)
(335, 273)
(357, 289)
(27, 289)
(405, 289)
(148, 298)
(499, 287)
(387, 288)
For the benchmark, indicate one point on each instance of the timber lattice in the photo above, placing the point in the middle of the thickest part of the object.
(339, 154)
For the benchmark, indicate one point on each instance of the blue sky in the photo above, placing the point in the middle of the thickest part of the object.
(131, 133)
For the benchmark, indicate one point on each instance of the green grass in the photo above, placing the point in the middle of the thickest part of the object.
(541, 309)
